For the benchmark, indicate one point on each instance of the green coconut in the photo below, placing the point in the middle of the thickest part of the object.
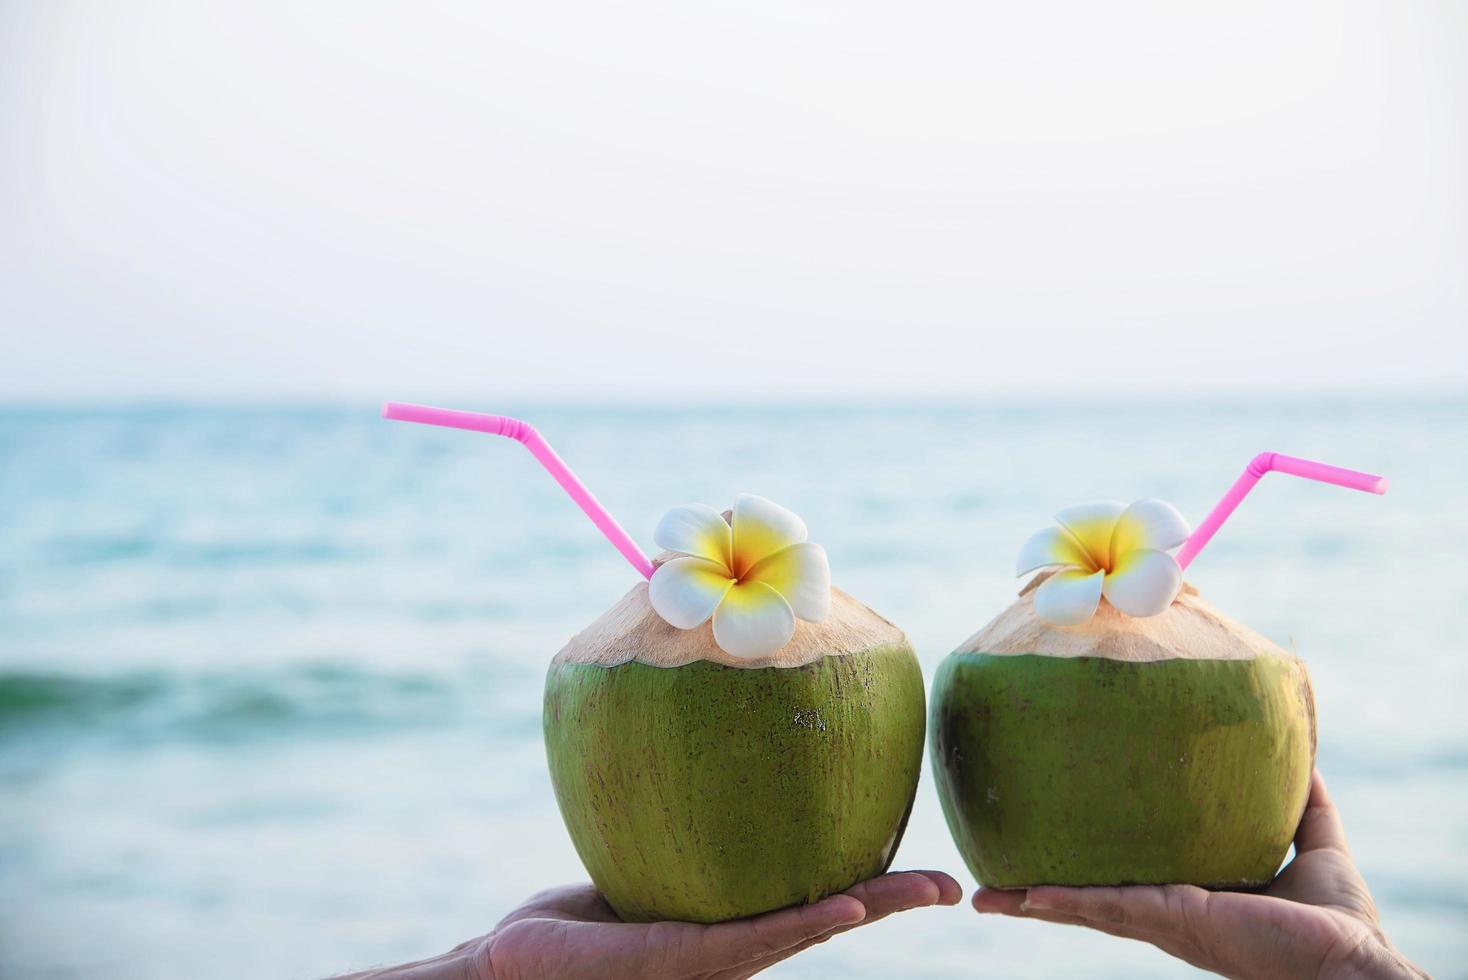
(1170, 749)
(699, 787)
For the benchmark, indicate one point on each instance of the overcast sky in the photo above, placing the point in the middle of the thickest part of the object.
(730, 200)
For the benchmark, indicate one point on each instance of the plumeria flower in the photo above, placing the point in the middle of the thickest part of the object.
(1111, 549)
(754, 577)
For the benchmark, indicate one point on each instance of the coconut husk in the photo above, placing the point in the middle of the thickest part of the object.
(633, 631)
(1190, 629)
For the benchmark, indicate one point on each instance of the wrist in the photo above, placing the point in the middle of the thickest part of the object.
(1378, 959)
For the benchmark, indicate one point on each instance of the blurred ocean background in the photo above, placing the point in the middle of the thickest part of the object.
(270, 678)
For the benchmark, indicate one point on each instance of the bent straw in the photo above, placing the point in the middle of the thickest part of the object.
(524, 432)
(1258, 466)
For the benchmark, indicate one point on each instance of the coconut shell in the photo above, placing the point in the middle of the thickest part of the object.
(1189, 629)
(1174, 748)
(698, 786)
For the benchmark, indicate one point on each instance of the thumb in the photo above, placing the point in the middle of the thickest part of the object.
(1320, 825)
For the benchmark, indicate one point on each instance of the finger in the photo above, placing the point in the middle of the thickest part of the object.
(997, 901)
(729, 943)
(1162, 909)
(750, 967)
(1320, 827)
(888, 893)
(994, 901)
(950, 892)
(1062, 919)
(1182, 947)
(903, 890)
(1017, 902)
(882, 896)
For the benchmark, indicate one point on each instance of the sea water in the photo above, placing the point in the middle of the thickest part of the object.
(270, 679)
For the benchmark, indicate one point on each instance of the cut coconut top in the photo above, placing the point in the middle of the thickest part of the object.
(632, 631)
(1189, 629)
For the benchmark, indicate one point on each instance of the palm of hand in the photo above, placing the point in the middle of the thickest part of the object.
(570, 933)
(1316, 919)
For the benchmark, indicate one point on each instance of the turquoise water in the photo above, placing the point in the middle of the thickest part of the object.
(270, 680)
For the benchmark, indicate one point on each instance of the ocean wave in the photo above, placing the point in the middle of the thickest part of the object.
(115, 548)
(249, 704)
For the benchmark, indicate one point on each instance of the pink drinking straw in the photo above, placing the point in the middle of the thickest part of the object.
(524, 432)
(1258, 466)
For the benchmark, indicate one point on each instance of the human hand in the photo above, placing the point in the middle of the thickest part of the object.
(570, 933)
(1316, 919)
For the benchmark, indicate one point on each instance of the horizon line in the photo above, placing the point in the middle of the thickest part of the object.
(1407, 395)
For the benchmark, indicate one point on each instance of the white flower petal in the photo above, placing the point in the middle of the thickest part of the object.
(1068, 597)
(1153, 524)
(802, 575)
(685, 591)
(697, 530)
(1091, 525)
(761, 528)
(1144, 582)
(1051, 546)
(753, 621)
